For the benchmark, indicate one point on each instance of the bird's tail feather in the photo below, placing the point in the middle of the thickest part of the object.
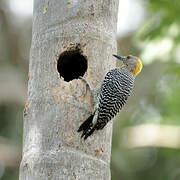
(87, 127)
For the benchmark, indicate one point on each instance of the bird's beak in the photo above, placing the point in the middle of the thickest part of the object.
(120, 57)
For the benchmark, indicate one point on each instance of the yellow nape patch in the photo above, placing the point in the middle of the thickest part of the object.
(138, 67)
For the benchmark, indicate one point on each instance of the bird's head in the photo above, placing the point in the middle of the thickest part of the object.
(132, 63)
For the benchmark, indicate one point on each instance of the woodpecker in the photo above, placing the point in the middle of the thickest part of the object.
(114, 92)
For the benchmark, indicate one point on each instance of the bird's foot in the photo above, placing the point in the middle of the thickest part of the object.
(92, 91)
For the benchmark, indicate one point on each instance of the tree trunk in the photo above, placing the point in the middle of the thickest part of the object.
(71, 38)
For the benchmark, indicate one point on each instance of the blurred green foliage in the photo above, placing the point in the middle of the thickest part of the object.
(162, 14)
(156, 100)
(15, 37)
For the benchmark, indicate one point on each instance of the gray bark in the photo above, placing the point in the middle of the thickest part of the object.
(52, 148)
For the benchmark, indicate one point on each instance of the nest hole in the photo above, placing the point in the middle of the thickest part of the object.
(71, 65)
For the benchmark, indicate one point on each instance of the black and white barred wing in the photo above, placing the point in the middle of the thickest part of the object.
(115, 90)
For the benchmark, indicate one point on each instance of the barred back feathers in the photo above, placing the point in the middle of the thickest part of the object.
(115, 89)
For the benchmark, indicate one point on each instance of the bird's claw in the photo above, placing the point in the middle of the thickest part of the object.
(87, 84)
(93, 92)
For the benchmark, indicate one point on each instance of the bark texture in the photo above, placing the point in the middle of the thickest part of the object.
(52, 148)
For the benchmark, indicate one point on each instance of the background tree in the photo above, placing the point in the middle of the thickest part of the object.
(69, 39)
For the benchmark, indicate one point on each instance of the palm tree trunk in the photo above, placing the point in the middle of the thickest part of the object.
(70, 38)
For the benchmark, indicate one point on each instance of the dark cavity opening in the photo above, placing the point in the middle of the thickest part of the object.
(71, 65)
